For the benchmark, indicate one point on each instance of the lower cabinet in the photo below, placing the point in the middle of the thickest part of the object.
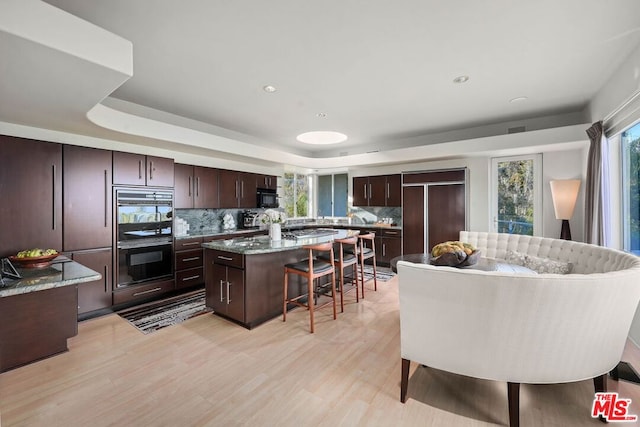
(139, 293)
(189, 262)
(224, 283)
(95, 295)
(388, 246)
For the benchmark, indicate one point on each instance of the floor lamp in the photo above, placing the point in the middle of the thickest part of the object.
(564, 193)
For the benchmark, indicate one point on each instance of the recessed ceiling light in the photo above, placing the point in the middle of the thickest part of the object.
(269, 88)
(519, 99)
(461, 79)
(322, 115)
(321, 137)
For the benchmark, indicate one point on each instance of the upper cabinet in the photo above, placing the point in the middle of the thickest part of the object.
(138, 169)
(31, 182)
(267, 181)
(237, 189)
(87, 198)
(381, 190)
(196, 187)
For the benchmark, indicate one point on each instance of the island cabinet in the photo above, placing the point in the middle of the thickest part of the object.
(237, 189)
(247, 289)
(224, 282)
(382, 190)
(31, 206)
(196, 187)
(138, 169)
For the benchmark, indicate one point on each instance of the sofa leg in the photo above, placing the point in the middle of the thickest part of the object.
(404, 380)
(513, 395)
(600, 386)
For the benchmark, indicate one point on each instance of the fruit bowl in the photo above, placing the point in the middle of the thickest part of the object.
(33, 262)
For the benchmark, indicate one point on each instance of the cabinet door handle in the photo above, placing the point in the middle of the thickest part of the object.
(384, 250)
(139, 169)
(53, 196)
(146, 292)
(365, 191)
(388, 191)
(191, 244)
(228, 294)
(190, 193)
(106, 198)
(197, 186)
(370, 193)
(193, 258)
(242, 189)
(237, 195)
(106, 278)
(221, 294)
(226, 258)
(190, 278)
(151, 169)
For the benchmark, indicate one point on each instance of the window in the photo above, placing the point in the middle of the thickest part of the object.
(517, 194)
(630, 140)
(332, 195)
(296, 189)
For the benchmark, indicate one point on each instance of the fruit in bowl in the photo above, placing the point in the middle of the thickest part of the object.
(34, 258)
(454, 254)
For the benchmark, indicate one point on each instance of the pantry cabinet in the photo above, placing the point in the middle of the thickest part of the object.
(31, 207)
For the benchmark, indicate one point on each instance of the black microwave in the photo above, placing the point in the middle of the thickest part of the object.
(267, 198)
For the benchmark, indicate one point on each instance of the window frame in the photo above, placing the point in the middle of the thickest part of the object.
(537, 190)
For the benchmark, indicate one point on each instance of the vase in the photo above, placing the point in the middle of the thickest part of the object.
(275, 232)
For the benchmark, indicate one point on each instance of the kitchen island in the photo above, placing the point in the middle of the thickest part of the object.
(39, 311)
(244, 277)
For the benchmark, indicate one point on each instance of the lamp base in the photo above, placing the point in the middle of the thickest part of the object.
(565, 231)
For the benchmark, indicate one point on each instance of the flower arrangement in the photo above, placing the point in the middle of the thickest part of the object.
(271, 216)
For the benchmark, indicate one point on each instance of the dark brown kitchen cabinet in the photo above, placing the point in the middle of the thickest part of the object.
(269, 182)
(95, 295)
(381, 190)
(31, 188)
(189, 262)
(388, 246)
(196, 187)
(138, 169)
(433, 209)
(224, 283)
(237, 189)
(87, 198)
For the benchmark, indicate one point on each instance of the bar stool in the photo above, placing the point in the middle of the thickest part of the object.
(311, 268)
(344, 258)
(367, 251)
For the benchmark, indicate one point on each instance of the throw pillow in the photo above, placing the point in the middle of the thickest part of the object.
(516, 258)
(545, 265)
(514, 268)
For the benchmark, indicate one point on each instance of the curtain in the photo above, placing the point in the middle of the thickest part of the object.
(597, 216)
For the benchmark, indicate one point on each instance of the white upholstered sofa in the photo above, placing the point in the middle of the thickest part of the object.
(520, 327)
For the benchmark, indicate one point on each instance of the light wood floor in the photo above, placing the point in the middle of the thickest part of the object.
(208, 372)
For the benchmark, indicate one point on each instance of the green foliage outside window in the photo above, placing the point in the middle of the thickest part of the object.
(295, 195)
(631, 147)
(515, 197)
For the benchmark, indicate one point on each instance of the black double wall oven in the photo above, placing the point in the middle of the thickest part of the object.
(144, 235)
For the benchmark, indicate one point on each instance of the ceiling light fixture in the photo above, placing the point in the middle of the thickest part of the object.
(322, 115)
(269, 88)
(461, 79)
(321, 137)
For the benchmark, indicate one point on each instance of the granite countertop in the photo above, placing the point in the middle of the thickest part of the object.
(320, 223)
(62, 272)
(263, 245)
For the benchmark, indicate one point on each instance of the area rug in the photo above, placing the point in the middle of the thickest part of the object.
(152, 317)
(383, 274)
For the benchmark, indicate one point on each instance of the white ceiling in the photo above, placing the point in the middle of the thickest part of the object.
(381, 71)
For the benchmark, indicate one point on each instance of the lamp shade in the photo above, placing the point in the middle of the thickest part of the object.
(564, 193)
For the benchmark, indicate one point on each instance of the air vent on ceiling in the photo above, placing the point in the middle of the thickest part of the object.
(516, 129)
